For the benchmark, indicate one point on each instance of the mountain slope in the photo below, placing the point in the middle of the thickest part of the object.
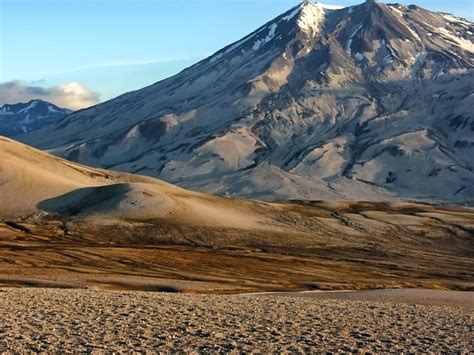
(16, 119)
(367, 102)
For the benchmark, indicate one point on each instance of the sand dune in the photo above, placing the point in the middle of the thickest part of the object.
(33, 182)
(28, 176)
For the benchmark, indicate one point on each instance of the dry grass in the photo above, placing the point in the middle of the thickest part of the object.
(309, 246)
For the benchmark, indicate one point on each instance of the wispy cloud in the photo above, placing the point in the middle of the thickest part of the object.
(69, 95)
(116, 63)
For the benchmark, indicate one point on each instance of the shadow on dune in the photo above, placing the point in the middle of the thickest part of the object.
(130, 286)
(86, 200)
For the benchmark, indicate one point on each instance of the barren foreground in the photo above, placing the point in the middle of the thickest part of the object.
(84, 320)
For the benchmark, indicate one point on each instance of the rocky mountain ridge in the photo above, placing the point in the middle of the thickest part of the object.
(16, 119)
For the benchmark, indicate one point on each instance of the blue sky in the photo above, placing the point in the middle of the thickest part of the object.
(114, 46)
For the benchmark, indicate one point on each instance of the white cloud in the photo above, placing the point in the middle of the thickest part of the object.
(70, 95)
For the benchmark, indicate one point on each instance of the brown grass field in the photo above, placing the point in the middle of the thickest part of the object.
(310, 246)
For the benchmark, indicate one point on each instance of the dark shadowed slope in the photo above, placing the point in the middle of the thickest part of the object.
(17, 119)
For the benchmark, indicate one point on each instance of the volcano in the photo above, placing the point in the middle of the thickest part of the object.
(370, 102)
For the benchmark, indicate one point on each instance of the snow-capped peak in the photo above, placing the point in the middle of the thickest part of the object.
(369, 101)
(23, 117)
(305, 5)
(311, 16)
(308, 15)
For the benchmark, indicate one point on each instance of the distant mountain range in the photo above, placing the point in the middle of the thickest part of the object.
(373, 101)
(20, 118)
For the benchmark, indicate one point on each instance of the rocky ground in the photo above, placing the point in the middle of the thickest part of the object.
(98, 321)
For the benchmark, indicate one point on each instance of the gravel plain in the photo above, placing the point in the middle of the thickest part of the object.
(58, 320)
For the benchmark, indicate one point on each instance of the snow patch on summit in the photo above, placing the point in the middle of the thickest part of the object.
(310, 18)
(311, 15)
